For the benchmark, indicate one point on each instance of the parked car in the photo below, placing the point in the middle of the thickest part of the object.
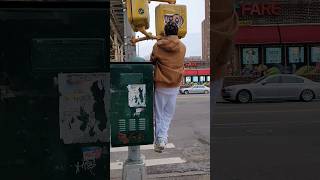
(274, 87)
(196, 89)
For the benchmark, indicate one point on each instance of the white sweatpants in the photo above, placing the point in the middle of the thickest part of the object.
(165, 105)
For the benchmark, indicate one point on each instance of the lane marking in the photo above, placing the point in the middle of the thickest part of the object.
(279, 111)
(190, 97)
(151, 162)
(144, 147)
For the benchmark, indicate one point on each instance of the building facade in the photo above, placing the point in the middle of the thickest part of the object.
(206, 33)
(196, 70)
(279, 36)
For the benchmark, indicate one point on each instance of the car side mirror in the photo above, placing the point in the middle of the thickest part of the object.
(264, 83)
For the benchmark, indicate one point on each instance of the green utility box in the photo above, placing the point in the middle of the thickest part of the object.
(54, 82)
(131, 111)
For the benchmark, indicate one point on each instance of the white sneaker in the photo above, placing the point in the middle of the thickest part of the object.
(159, 145)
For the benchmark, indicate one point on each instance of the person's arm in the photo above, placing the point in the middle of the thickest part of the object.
(153, 57)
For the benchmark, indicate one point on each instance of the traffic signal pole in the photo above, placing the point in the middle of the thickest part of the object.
(134, 167)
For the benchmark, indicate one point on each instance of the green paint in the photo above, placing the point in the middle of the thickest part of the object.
(129, 126)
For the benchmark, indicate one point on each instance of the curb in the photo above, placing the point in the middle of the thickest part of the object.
(193, 175)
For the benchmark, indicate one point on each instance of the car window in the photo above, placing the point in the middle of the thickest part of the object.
(273, 80)
(291, 79)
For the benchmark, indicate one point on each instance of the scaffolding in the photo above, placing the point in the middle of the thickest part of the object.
(116, 31)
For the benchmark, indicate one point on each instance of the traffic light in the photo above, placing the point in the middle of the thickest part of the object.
(171, 12)
(138, 14)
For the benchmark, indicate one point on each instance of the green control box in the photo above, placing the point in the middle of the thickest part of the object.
(131, 103)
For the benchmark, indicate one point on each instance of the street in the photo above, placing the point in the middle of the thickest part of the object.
(278, 140)
(188, 151)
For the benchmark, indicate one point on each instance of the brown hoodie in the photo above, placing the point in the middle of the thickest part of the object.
(168, 57)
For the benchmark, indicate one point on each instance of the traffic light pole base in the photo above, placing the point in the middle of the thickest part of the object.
(134, 167)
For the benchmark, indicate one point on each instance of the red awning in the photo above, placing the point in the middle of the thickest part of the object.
(271, 34)
(300, 34)
(257, 35)
(197, 72)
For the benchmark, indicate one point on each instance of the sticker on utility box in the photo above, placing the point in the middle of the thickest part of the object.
(137, 95)
(82, 107)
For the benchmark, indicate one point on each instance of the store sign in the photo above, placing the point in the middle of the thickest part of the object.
(191, 64)
(260, 9)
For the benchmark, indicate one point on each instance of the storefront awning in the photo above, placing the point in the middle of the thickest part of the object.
(300, 34)
(275, 35)
(257, 35)
(197, 72)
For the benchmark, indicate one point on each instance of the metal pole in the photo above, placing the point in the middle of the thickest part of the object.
(134, 166)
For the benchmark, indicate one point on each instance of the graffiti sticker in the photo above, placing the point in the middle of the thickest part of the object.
(137, 95)
(82, 108)
(90, 153)
(175, 18)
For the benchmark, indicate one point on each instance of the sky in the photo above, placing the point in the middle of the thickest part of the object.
(195, 13)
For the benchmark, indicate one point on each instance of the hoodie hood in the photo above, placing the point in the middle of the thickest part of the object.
(169, 43)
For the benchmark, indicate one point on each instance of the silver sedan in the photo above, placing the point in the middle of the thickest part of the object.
(197, 89)
(274, 87)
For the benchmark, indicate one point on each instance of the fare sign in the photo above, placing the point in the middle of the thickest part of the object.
(260, 9)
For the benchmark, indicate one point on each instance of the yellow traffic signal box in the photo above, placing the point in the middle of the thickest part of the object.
(138, 14)
(171, 12)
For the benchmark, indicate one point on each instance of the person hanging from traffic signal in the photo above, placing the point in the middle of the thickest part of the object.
(168, 58)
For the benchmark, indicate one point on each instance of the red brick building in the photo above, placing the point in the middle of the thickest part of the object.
(206, 33)
(196, 70)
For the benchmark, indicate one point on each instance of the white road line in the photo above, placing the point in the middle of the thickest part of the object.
(266, 111)
(144, 147)
(151, 162)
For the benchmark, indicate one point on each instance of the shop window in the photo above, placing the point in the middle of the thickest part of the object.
(250, 56)
(188, 79)
(208, 78)
(195, 79)
(296, 54)
(202, 78)
(273, 55)
(315, 54)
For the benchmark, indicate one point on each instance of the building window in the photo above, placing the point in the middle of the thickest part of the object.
(195, 79)
(296, 54)
(273, 55)
(188, 79)
(202, 78)
(315, 54)
(208, 78)
(250, 56)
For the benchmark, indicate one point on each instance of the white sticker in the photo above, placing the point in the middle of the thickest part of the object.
(137, 95)
(82, 107)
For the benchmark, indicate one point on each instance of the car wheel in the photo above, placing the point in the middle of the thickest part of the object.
(307, 95)
(186, 92)
(206, 92)
(244, 96)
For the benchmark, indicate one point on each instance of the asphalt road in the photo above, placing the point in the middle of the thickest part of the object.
(266, 141)
(189, 138)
